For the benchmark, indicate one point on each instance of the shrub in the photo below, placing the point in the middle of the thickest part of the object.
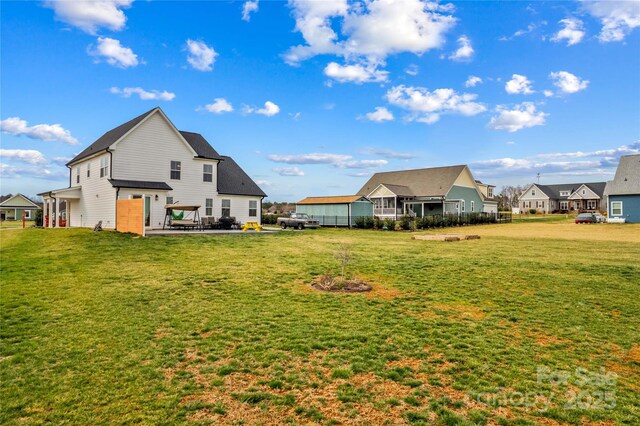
(389, 224)
(368, 222)
(359, 222)
(405, 223)
(38, 218)
(377, 223)
(532, 211)
(269, 219)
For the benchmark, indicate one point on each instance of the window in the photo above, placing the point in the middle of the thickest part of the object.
(104, 166)
(533, 192)
(207, 173)
(377, 203)
(490, 192)
(462, 206)
(389, 203)
(616, 208)
(175, 170)
(564, 193)
(208, 207)
(169, 200)
(77, 174)
(583, 192)
(226, 208)
(564, 205)
(27, 214)
(473, 205)
(88, 169)
(253, 208)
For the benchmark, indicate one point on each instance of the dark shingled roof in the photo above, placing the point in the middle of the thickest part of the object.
(553, 191)
(432, 182)
(232, 180)
(109, 138)
(199, 144)
(627, 179)
(139, 184)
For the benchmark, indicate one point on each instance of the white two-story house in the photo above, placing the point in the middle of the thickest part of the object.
(148, 157)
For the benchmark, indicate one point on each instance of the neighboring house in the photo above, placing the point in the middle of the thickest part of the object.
(424, 192)
(623, 192)
(148, 157)
(563, 198)
(489, 201)
(337, 210)
(14, 205)
(281, 208)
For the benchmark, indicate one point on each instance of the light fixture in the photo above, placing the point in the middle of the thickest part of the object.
(156, 197)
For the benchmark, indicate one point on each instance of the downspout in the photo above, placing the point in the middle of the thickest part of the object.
(115, 220)
(349, 215)
(70, 177)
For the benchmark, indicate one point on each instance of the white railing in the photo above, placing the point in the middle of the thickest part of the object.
(386, 212)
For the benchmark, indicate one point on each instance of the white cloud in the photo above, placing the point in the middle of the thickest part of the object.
(288, 171)
(361, 164)
(464, 52)
(295, 116)
(380, 114)
(510, 143)
(61, 161)
(618, 18)
(390, 154)
(261, 182)
(520, 117)
(472, 81)
(219, 106)
(567, 82)
(412, 69)
(30, 156)
(44, 132)
(361, 174)
(548, 93)
(114, 53)
(530, 28)
(145, 95)
(573, 31)
(270, 109)
(248, 8)
(200, 56)
(368, 31)
(90, 15)
(39, 171)
(519, 84)
(337, 160)
(356, 73)
(595, 163)
(426, 106)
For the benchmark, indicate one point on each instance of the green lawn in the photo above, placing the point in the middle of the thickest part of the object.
(108, 328)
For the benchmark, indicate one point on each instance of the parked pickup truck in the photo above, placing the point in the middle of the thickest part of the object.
(298, 220)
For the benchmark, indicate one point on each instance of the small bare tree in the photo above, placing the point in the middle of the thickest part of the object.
(344, 256)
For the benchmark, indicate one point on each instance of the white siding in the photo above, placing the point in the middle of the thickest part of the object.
(98, 196)
(146, 155)
(539, 198)
(239, 207)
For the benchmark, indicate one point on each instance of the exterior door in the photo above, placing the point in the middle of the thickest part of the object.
(147, 211)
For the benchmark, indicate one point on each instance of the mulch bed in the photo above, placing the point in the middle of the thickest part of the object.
(338, 285)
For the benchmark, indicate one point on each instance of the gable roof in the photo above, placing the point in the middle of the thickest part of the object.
(8, 202)
(340, 199)
(400, 190)
(195, 140)
(553, 191)
(109, 138)
(627, 178)
(232, 180)
(431, 182)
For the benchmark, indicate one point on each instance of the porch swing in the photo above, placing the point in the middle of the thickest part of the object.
(187, 218)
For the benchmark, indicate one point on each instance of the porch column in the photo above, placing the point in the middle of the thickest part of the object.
(47, 212)
(57, 212)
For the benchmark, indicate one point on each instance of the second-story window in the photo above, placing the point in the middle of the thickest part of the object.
(88, 169)
(104, 167)
(77, 174)
(490, 192)
(207, 173)
(175, 170)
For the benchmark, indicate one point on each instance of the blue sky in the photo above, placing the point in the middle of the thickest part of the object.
(311, 98)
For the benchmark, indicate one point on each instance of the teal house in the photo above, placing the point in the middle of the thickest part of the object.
(623, 192)
(426, 192)
(15, 206)
(336, 211)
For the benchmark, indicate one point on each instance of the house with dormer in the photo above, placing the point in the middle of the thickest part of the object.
(568, 197)
(426, 192)
(149, 158)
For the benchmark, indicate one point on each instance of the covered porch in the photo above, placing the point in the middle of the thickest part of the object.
(53, 216)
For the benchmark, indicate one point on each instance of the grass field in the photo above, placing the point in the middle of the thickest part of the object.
(535, 323)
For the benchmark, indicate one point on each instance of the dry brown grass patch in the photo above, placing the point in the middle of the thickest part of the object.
(463, 310)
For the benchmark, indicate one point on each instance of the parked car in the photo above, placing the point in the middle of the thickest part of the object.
(298, 220)
(586, 218)
(600, 218)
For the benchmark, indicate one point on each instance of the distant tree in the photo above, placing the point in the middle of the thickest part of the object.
(509, 196)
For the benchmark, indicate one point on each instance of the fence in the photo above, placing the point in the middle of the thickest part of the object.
(430, 221)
